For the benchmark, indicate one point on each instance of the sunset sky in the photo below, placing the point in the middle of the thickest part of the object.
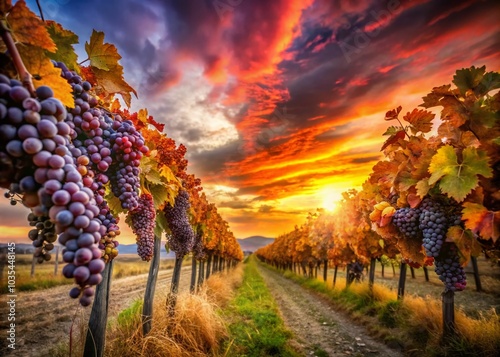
(280, 103)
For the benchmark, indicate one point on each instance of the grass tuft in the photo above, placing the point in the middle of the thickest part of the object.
(255, 328)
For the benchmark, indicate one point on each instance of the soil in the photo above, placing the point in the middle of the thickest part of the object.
(317, 327)
(44, 318)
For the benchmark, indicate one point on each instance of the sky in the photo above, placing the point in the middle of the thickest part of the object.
(279, 103)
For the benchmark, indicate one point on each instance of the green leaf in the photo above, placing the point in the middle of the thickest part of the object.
(162, 194)
(490, 81)
(468, 78)
(113, 202)
(101, 55)
(64, 40)
(392, 130)
(161, 224)
(457, 180)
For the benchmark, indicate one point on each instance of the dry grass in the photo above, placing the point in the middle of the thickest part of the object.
(415, 322)
(195, 330)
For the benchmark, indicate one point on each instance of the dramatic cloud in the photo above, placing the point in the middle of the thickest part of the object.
(281, 103)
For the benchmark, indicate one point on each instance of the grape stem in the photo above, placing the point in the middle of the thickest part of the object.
(399, 121)
(25, 76)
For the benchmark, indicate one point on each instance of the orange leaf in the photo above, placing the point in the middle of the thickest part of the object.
(27, 28)
(420, 120)
(481, 221)
(413, 200)
(5, 6)
(44, 73)
(393, 114)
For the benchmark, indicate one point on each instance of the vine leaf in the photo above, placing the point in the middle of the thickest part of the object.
(5, 6)
(393, 114)
(432, 99)
(420, 120)
(111, 82)
(101, 55)
(465, 242)
(481, 221)
(393, 139)
(27, 28)
(161, 224)
(44, 73)
(423, 187)
(64, 39)
(468, 78)
(113, 202)
(458, 179)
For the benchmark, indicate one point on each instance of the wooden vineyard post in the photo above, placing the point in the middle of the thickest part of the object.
(426, 273)
(201, 273)
(174, 286)
(56, 266)
(147, 308)
(412, 272)
(96, 333)
(215, 264)
(335, 275)
(448, 300)
(371, 278)
(402, 281)
(32, 274)
(325, 270)
(477, 280)
(192, 285)
(209, 264)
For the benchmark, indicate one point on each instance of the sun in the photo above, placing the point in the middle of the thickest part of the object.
(330, 198)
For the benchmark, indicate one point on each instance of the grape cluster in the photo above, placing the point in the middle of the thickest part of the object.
(198, 246)
(40, 168)
(181, 239)
(143, 225)
(447, 266)
(43, 236)
(91, 149)
(406, 219)
(434, 225)
(128, 146)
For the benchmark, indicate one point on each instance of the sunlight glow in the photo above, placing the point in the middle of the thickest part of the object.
(330, 198)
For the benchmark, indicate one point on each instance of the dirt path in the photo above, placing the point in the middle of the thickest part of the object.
(317, 326)
(44, 317)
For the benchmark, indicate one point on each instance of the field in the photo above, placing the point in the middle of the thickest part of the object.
(131, 272)
(47, 275)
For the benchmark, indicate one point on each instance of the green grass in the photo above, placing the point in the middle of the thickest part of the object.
(255, 328)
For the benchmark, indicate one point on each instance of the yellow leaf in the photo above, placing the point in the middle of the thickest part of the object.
(101, 55)
(44, 73)
(27, 28)
(112, 82)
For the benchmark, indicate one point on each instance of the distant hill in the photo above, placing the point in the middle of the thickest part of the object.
(253, 243)
(247, 244)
